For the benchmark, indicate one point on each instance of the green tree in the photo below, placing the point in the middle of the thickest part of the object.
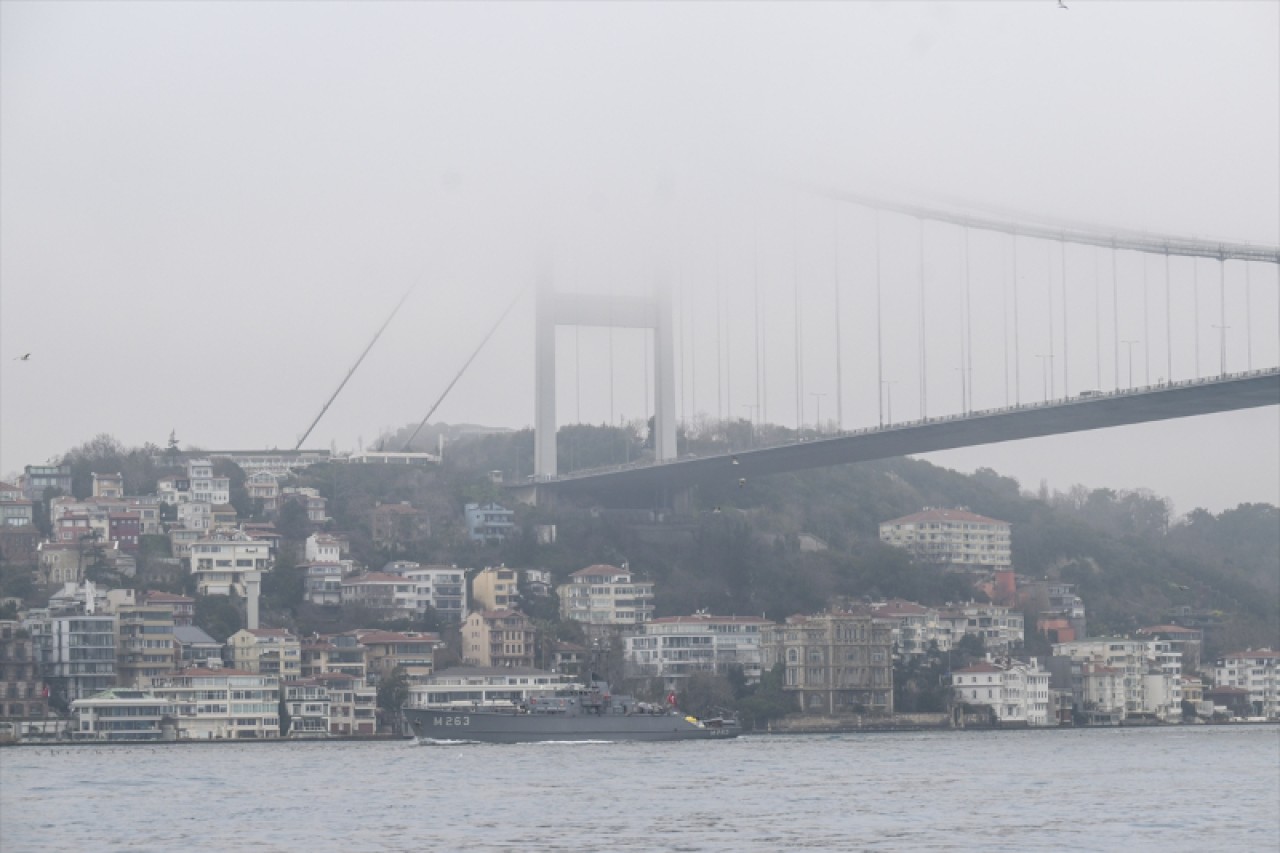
(218, 615)
(393, 692)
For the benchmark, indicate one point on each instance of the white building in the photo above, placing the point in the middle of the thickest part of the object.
(322, 583)
(120, 714)
(219, 561)
(915, 627)
(674, 647)
(953, 538)
(204, 485)
(606, 595)
(323, 548)
(307, 700)
(76, 653)
(1134, 659)
(223, 703)
(1001, 628)
(1256, 672)
(1016, 691)
(441, 588)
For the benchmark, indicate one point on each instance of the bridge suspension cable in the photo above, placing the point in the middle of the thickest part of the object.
(350, 372)
(1115, 238)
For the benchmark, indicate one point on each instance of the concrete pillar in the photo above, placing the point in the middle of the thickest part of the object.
(544, 382)
(664, 373)
(252, 586)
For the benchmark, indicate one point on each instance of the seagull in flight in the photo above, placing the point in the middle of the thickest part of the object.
(26, 356)
(1062, 5)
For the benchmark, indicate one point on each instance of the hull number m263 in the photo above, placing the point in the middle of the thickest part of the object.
(452, 721)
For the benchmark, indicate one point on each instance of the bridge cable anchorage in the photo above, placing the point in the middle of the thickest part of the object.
(512, 304)
(347, 378)
(1048, 229)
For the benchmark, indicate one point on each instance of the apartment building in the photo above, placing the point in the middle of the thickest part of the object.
(955, 539)
(836, 662)
(606, 595)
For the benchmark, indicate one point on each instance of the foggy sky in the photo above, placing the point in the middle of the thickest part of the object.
(206, 210)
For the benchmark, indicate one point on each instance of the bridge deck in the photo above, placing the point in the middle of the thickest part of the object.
(649, 481)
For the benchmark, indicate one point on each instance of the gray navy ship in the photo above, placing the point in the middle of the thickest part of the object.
(584, 714)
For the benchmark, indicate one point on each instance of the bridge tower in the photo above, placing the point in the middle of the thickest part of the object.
(564, 309)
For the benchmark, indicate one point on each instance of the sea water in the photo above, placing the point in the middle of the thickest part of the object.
(1192, 788)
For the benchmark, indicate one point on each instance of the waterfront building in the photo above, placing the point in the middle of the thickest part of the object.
(1017, 692)
(606, 595)
(1256, 672)
(270, 651)
(495, 588)
(675, 647)
(307, 701)
(353, 705)
(489, 522)
(501, 638)
(954, 539)
(223, 703)
(121, 714)
(76, 653)
(22, 690)
(1186, 641)
(476, 686)
(144, 643)
(1134, 659)
(836, 662)
(412, 651)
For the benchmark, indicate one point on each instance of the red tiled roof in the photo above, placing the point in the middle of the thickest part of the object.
(1256, 653)
(944, 515)
(375, 637)
(167, 597)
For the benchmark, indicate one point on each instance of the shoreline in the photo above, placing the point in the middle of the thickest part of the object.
(790, 731)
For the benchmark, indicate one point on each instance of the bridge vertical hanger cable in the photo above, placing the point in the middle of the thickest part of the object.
(1248, 319)
(1066, 361)
(879, 330)
(1017, 348)
(1195, 303)
(512, 304)
(1168, 321)
(719, 337)
(1115, 313)
(1004, 324)
(1097, 322)
(692, 310)
(1048, 273)
(577, 371)
(1222, 315)
(795, 296)
(835, 251)
(924, 348)
(352, 371)
(1146, 326)
(755, 267)
(966, 337)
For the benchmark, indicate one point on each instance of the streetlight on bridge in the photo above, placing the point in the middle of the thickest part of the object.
(888, 387)
(1046, 370)
(817, 397)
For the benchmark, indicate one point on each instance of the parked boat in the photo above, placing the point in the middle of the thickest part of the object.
(583, 714)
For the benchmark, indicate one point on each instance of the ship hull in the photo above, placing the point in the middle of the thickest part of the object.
(499, 727)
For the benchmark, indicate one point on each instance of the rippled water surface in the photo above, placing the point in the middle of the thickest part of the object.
(1134, 789)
